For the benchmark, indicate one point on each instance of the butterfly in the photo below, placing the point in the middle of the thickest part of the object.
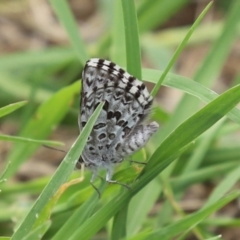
(119, 130)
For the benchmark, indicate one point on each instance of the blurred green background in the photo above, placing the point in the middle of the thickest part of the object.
(44, 46)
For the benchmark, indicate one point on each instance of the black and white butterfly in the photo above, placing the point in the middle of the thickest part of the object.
(119, 130)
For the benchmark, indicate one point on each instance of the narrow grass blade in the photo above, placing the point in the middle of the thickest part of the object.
(62, 174)
(11, 107)
(132, 39)
(134, 67)
(119, 228)
(118, 48)
(65, 16)
(179, 49)
(29, 140)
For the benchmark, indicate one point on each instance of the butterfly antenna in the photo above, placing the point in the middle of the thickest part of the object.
(52, 148)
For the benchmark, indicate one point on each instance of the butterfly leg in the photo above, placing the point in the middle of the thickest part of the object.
(99, 194)
(132, 161)
(94, 174)
(109, 180)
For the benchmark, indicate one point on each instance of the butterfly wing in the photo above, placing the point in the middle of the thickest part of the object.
(118, 128)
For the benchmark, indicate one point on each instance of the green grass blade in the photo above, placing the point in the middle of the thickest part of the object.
(65, 16)
(11, 107)
(118, 47)
(119, 228)
(61, 175)
(179, 49)
(29, 140)
(132, 39)
(134, 67)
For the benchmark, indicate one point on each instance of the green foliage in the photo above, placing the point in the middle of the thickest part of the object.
(184, 152)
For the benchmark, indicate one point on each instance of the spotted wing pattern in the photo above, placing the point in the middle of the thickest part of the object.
(119, 131)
